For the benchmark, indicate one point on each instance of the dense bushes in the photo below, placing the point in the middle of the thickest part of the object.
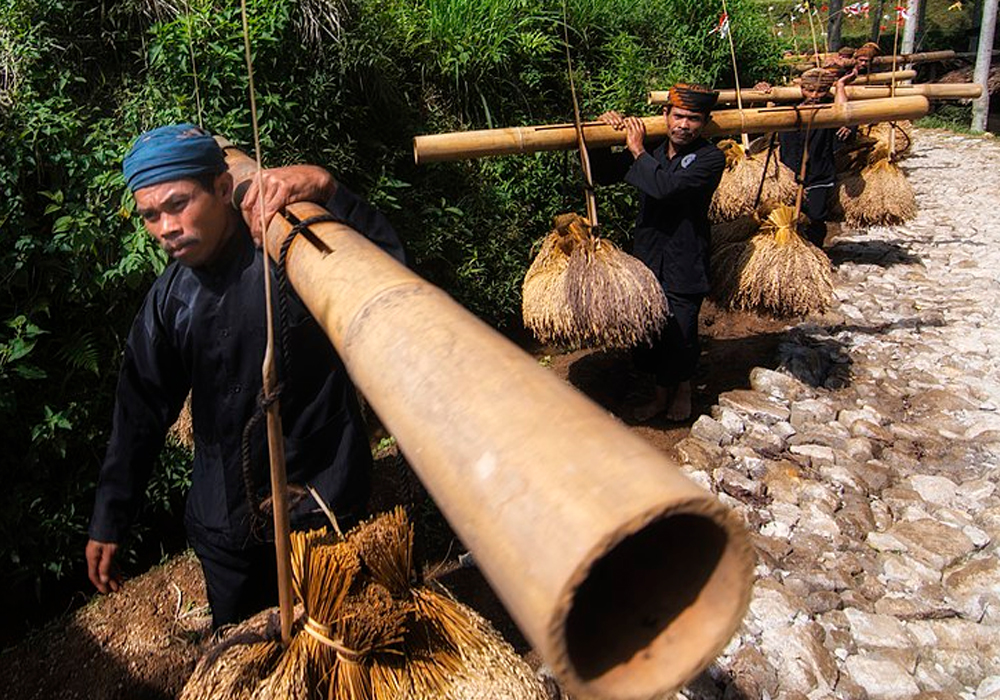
(344, 84)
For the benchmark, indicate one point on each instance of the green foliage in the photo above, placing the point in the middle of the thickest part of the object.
(81, 79)
(954, 117)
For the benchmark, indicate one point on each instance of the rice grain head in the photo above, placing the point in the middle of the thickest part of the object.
(737, 191)
(780, 273)
(589, 293)
(880, 195)
(902, 134)
(234, 667)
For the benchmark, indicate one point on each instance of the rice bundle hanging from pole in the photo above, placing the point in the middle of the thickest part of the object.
(736, 194)
(776, 272)
(367, 631)
(583, 291)
(880, 195)
(900, 132)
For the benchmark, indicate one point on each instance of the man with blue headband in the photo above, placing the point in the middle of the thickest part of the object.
(202, 328)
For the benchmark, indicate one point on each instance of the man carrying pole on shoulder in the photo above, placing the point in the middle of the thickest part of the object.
(676, 181)
(202, 327)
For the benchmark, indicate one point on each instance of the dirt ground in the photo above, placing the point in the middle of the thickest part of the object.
(143, 642)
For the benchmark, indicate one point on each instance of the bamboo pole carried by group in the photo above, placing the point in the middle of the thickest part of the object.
(901, 59)
(881, 78)
(556, 137)
(626, 577)
(793, 93)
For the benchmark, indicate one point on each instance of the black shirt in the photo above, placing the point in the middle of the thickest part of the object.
(672, 229)
(821, 166)
(204, 329)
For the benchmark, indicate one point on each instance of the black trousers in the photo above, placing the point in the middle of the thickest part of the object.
(673, 356)
(816, 205)
(239, 582)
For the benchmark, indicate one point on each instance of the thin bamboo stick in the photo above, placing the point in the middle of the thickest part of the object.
(561, 137)
(932, 91)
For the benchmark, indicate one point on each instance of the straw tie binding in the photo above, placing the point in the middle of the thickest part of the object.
(323, 634)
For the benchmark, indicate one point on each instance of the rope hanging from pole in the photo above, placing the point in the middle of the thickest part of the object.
(275, 441)
(588, 189)
(736, 76)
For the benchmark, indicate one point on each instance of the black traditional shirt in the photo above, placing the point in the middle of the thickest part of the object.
(672, 229)
(821, 166)
(204, 329)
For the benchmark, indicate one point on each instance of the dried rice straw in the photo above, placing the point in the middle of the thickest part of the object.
(880, 195)
(736, 195)
(366, 631)
(776, 272)
(582, 290)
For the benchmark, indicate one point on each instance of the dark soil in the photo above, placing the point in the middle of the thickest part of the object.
(143, 641)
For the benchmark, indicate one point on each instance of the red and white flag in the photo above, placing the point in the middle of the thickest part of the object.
(722, 27)
(857, 9)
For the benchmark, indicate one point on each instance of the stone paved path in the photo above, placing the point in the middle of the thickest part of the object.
(867, 466)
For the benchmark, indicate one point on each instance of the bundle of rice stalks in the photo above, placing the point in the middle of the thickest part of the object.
(879, 195)
(776, 272)
(366, 631)
(902, 134)
(739, 230)
(182, 431)
(852, 157)
(582, 290)
(233, 669)
(736, 195)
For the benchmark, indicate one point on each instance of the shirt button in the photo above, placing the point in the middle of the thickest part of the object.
(225, 333)
(237, 389)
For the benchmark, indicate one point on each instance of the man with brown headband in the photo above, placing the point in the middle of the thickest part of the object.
(816, 146)
(864, 56)
(676, 180)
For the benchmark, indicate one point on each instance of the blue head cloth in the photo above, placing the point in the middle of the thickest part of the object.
(171, 153)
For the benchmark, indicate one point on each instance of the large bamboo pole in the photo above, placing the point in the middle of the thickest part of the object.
(625, 576)
(529, 139)
(932, 91)
(805, 62)
(885, 77)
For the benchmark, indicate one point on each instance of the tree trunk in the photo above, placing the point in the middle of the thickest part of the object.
(981, 107)
(910, 28)
(876, 14)
(834, 20)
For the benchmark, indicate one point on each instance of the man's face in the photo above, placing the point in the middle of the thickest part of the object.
(863, 62)
(190, 223)
(812, 95)
(684, 125)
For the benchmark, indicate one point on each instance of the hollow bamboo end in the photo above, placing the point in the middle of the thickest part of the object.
(658, 605)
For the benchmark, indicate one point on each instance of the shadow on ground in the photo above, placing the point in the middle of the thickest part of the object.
(880, 253)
